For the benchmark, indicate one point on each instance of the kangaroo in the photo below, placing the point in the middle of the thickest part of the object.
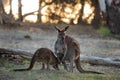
(67, 49)
(44, 55)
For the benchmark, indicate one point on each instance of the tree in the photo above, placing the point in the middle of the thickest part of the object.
(2, 11)
(20, 17)
(10, 7)
(81, 11)
(6, 18)
(96, 19)
(39, 12)
(2, 7)
(113, 16)
(102, 5)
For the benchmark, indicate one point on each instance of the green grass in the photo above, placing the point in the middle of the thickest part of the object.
(104, 31)
(27, 36)
(6, 73)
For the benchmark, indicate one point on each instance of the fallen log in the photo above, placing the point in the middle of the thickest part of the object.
(98, 61)
(115, 62)
(24, 54)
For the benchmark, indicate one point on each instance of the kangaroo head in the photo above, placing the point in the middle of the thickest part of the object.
(62, 32)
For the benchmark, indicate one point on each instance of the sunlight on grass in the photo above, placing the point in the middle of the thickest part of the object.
(26, 62)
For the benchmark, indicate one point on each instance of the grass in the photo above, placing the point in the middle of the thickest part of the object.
(106, 32)
(6, 73)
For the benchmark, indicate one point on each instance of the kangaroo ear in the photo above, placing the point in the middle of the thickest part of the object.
(57, 28)
(65, 29)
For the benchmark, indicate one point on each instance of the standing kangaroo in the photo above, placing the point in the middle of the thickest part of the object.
(67, 49)
(43, 55)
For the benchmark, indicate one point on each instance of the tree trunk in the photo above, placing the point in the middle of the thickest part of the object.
(2, 11)
(39, 12)
(5, 18)
(81, 11)
(10, 7)
(1, 7)
(103, 9)
(1, 21)
(96, 19)
(102, 5)
(113, 17)
(20, 11)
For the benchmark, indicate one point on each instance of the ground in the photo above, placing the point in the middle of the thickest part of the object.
(30, 37)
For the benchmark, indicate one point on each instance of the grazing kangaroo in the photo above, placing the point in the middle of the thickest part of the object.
(67, 49)
(43, 55)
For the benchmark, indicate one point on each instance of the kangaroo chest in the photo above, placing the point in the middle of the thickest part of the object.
(60, 47)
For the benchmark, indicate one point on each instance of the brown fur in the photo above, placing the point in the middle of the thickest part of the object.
(44, 55)
(67, 49)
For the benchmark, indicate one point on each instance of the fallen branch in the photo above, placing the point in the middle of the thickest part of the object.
(115, 62)
(24, 54)
(31, 13)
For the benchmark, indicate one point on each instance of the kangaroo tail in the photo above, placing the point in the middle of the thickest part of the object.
(30, 67)
(78, 65)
